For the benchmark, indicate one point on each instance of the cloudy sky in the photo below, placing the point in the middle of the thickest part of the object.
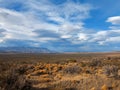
(61, 25)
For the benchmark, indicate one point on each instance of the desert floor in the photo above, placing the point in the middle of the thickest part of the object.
(67, 71)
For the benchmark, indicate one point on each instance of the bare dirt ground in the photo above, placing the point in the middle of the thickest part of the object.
(68, 71)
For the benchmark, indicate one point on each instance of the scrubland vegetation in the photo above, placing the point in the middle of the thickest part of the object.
(83, 71)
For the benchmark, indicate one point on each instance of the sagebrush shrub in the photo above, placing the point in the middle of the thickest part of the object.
(94, 63)
(13, 81)
(73, 69)
(110, 70)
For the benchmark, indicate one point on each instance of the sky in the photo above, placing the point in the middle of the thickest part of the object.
(61, 25)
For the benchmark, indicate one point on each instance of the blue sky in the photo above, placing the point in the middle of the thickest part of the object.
(61, 25)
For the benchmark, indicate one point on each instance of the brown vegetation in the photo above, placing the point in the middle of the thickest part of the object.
(70, 72)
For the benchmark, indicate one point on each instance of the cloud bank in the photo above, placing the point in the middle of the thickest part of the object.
(44, 23)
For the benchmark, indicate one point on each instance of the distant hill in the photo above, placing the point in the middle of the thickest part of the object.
(24, 50)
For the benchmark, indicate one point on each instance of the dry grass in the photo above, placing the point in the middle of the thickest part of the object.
(11, 79)
(60, 71)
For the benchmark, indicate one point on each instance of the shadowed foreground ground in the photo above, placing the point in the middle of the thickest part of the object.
(80, 71)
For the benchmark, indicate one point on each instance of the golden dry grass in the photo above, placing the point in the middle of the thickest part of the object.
(96, 71)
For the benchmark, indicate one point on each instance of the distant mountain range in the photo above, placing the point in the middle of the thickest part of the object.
(24, 50)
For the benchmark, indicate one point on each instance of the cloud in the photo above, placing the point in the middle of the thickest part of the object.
(16, 25)
(2, 32)
(111, 36)
(115, 20)
(44, 23)
(54, 21)
(82, 36)
(106, 37)
(66, 11)
(46, 33)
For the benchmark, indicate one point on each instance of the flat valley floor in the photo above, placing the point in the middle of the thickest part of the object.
(63, 71)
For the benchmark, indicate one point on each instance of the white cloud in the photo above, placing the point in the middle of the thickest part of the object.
(113, 39)
(115, 20)
(17, 25)
(82, 36)
(55, 23)
(64, 19)
(113, 35)
(106, 37)
(66, 36)
(21, 26)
